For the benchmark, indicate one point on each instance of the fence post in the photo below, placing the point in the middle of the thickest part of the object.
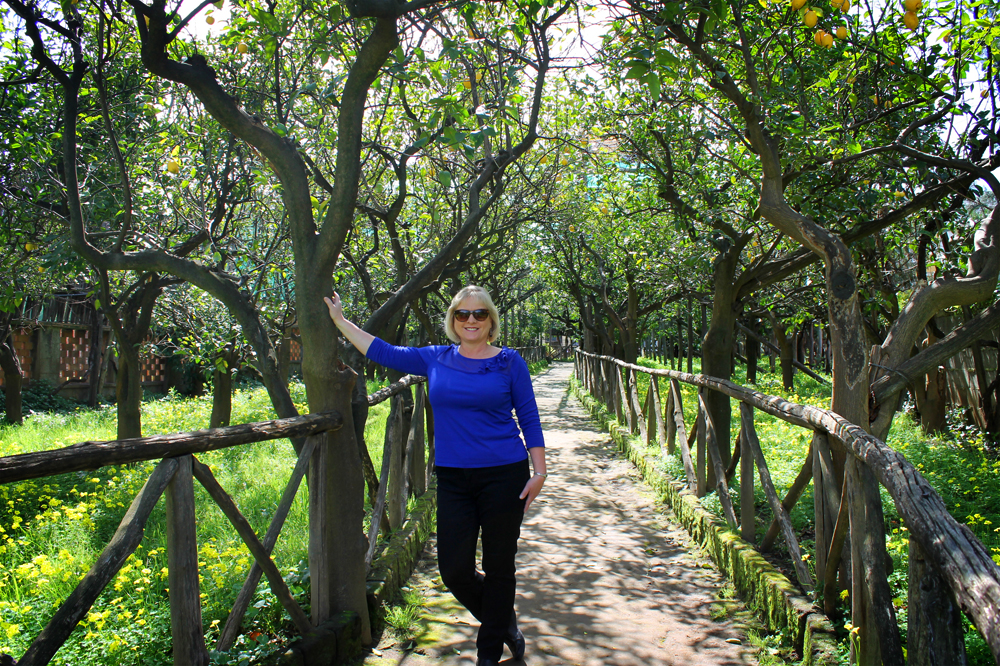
(871, 600)
(671, 424)
(747, 509)
(934, 627)
(701, 463)
(678, 418)
(721, 487)
(618, 396)
(825, 501)
(182, 566)
(395, 439)
(415, 450)
(637, 425)
(752, 448)
(429, 430)
(655, 425)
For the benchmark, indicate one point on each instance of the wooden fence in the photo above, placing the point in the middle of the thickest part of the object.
(950, 569)
(173, 477)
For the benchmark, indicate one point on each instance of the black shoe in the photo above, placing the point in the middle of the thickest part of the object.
(515, 641)
(487, 662)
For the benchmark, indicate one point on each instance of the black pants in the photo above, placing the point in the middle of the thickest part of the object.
(470, 500)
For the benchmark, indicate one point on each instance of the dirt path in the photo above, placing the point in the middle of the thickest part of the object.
(604, 576)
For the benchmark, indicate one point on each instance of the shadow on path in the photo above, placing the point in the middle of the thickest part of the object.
(604, 575)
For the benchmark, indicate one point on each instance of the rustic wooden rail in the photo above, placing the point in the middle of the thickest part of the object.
(950, 569)
(173, 478)
(532, 354)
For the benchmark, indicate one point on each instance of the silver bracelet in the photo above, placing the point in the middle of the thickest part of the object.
(541, 475)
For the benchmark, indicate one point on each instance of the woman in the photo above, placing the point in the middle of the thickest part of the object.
(482, 465)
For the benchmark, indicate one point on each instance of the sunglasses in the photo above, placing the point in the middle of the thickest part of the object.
(480, 315)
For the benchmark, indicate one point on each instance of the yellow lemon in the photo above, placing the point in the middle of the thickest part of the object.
(479, 77)
(242, 47)
(818, 37)
(845, 5)
(985, 94)
(564, 161)
(911, 20)
(798, 4)
(827, 40)
(467, 83)
(173, 166)
(842, 34)
(30, 247)
(572, 228)
(210, 20)
(810, 19)
(913, 5)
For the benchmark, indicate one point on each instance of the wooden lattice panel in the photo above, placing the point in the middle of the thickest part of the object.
(295, 351)
(74, 350)
(154, 369)
(24, 347)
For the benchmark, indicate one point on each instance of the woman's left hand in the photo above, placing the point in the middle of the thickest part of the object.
(531, 490)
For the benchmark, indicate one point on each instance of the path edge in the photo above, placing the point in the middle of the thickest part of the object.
(764, 589)
(395, 565)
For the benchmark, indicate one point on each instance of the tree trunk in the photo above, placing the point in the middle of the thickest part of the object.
(690, 338)
(785, 355)
(96, 355)
(222, 387)
(336, 481)
(12, 379)
(753, 353)
(128, 392)
(931, 395)
(717, 349)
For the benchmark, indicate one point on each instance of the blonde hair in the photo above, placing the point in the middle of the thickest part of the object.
(483, 296)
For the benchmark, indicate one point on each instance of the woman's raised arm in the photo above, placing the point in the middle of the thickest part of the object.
(360, 339)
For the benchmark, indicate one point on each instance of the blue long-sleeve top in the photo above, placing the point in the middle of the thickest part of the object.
(473, 400)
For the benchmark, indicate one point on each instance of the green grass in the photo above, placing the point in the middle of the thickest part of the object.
(52, 529)
(401, 617)
(958, 465)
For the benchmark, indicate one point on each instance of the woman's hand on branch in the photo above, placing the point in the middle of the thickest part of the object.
(336, 308)
(359, 338)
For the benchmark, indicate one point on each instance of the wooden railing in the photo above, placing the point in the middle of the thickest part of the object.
(173, 477)
(950, 569)
(531, 354)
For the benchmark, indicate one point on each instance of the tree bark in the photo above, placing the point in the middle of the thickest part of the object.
(222, 386)
(716, 348)
(128, 391)
(12, 378)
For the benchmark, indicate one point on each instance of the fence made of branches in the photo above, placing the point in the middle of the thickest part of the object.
(951, 571)
(407, 461)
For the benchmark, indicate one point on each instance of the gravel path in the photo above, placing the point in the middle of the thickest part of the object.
(605, 577)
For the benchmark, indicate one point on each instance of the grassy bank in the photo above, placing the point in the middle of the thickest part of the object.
(959, 465)
(52, 529)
